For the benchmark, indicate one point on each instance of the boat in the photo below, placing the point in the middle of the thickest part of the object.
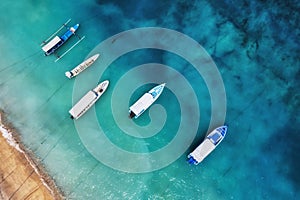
(145, 101)
(86, 102)
(57, 41)
(82, 66)
(211, 141)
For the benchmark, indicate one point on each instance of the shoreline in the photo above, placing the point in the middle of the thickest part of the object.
(21, 175)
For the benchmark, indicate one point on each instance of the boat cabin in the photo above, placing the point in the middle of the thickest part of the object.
(52, 45)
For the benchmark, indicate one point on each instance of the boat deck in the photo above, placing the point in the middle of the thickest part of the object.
(51, 44)
(205, 148)
(143, 103)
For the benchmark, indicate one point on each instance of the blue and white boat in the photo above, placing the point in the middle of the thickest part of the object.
(211, 141)
(145, 101)
(57, 41)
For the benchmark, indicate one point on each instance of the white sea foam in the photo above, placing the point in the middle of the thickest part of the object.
(9, 138)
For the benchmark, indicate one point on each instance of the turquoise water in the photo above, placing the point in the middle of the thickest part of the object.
(256, 51)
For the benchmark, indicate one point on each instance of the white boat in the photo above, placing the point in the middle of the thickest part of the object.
(145, 101)
(211, 141)
(88, 100)
(82, 66)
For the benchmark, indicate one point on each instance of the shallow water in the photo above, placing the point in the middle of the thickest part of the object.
(255, 50)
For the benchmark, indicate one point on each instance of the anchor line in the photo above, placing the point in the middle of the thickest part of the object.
(19, 61)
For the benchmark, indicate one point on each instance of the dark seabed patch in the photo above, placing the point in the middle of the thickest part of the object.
(284, 148)
(272, 21)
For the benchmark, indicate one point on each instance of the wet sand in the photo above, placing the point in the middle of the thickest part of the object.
(21, 177)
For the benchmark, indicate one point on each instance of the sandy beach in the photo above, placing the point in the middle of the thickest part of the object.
(21, 177)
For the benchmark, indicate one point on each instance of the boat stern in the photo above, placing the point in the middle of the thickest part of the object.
(191, 160)
(69, 74)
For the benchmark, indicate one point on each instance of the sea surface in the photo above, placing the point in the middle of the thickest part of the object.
(252, 85)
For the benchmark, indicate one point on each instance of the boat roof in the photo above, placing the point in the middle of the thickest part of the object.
(51, 44)
(82, 103)
(143, 103)
(205, 148)
(215, 137)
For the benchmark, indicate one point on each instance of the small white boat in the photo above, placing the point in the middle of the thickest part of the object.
(88, 100)
(211, 141)
(82, 66)
(145, 101)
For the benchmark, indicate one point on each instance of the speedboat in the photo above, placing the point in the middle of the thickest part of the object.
(211, 141)
(145, 101)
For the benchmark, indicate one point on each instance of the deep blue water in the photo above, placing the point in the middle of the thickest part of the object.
(255, 47)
